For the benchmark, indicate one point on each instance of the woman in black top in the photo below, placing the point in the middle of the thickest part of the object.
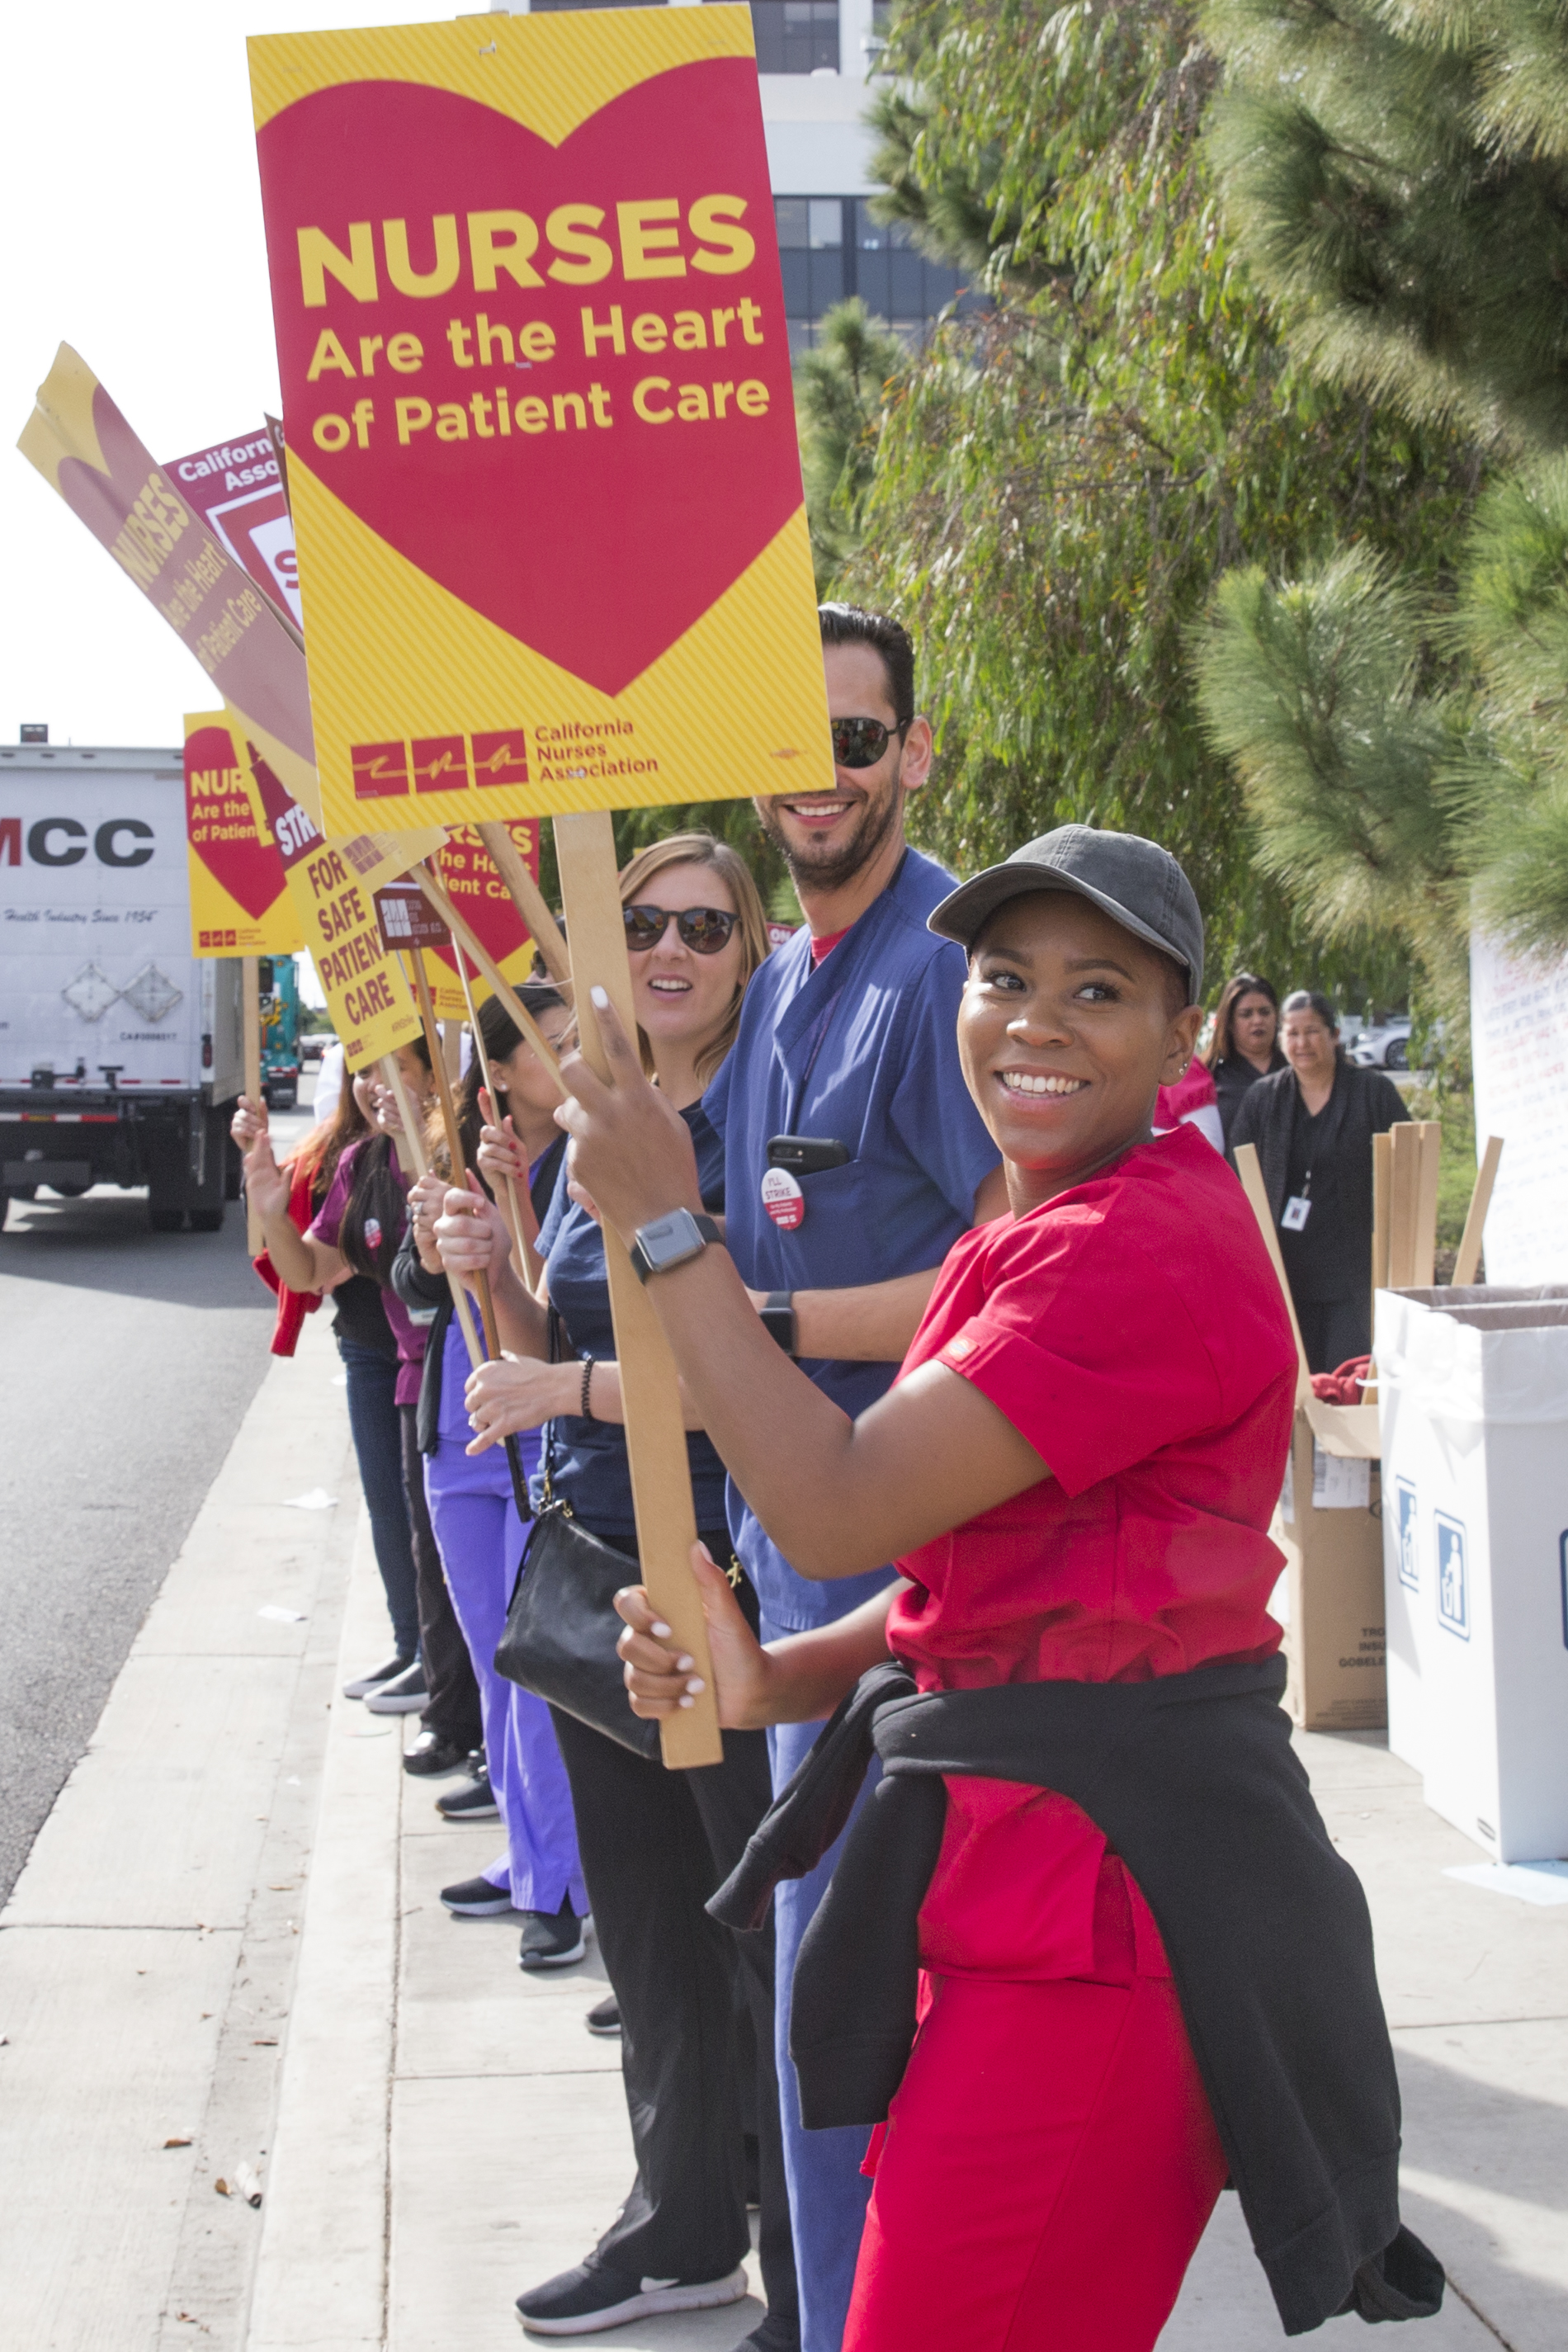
(1313, 1123)
(1245, 1046)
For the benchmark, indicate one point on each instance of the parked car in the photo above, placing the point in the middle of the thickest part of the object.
(1384, 1046)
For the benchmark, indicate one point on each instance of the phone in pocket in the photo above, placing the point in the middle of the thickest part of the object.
(807, 1155)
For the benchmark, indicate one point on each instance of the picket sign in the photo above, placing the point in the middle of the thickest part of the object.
(1470, 1256)
(413, 1141)
(525, 1258)
(650, 1384)
(250, 1023)
(493, 971)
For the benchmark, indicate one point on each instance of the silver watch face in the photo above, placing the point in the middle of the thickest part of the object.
(668, 1241)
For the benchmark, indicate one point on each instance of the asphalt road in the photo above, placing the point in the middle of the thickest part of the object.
(128, 1361)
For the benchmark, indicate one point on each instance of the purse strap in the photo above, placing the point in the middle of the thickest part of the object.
(556, 1332)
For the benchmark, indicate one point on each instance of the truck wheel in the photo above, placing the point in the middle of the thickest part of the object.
(167, 1221)
(207, 1221)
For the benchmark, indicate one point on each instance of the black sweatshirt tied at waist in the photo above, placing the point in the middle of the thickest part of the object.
(1193, 1781)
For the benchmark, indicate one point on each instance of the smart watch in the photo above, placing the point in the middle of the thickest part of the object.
(669, 1241)
(778, 1319)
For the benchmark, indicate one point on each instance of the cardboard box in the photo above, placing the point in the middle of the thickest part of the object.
(1474, 1402)
(1330, 1528)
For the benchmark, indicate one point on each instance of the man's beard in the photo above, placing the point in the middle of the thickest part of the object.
(828, 867)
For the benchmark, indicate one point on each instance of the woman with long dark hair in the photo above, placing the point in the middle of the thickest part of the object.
(365, 1342)
(474, 1514)
(1313, 1123)
(1244, 1045)
(654, 1845)
(356, 1229)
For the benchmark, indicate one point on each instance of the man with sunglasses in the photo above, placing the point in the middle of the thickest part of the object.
(853, 1158)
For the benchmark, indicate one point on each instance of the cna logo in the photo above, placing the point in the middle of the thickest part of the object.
(440, 764)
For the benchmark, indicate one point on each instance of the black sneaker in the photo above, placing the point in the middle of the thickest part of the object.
(430, 1756)
(476, 1898)
(605, 2019)
(406, 1694)
(554, 1940)
(774, 2333)
(595, 2295)
(362, 1684)
(475, 1801)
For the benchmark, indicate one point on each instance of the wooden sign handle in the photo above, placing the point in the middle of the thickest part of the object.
(527, 899)
(1470, 1256)
(650, 1385)
(414, 1143)
(1251, 1173)
(483, 962)
(250, 1024)
(525, 1257)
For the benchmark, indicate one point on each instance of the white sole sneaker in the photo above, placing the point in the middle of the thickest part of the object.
(644, 2305)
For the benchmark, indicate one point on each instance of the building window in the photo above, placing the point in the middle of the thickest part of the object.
(795, 36)
(823, 265)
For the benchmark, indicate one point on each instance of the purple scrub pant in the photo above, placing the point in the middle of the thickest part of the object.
(480, 1539)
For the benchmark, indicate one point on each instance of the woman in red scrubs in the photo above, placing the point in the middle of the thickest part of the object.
(1076, 1473)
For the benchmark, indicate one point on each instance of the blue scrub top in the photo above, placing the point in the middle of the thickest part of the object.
(862, 1048)
(588, 1458)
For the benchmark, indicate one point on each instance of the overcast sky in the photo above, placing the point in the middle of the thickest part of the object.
(128, 185)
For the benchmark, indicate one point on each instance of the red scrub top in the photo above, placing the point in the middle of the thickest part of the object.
(1133, 1330)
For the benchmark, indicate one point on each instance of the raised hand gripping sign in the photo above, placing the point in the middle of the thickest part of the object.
(536, 374)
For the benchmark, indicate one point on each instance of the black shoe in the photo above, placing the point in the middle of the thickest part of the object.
(554, 1940)
(595, 2295)
(430, 1756)
(775, 2333)
(605, 2019)
(405, 1695)
(476, 1898)
(475, 1801)
(362, 1684)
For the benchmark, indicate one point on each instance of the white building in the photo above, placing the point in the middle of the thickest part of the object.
(814, 58)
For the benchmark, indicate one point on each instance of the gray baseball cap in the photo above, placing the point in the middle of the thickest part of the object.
(1138, 884)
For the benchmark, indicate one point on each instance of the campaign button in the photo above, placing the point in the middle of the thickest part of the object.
(782, 1199)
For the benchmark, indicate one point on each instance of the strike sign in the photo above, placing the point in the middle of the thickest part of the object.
(541, 444)
(240, 902)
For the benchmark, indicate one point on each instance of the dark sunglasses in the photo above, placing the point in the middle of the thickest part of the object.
(860, 742)
(704, 929)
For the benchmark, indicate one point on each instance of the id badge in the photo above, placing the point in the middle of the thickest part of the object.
(782, 1199)
(1298, 1209)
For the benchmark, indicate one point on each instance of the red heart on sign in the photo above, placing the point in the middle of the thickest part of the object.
(221, 825)
(601, 535)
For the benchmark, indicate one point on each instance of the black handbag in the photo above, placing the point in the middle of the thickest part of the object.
(559, 1641)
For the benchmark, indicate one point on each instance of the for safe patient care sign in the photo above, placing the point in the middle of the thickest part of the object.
(543, 460)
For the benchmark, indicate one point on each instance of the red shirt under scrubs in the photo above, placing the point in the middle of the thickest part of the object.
(1133, 1330)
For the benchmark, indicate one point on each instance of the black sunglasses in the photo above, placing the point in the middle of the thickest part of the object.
(860, 742)
(704, 929)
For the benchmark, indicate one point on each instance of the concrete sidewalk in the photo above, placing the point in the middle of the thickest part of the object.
(433, 2131)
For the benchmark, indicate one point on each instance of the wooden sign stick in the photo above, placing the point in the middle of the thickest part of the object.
(483, 962)
(528, 901)
(416, 1144)
(1251, 1173)
(460, 1179)
(650, 1386)
(250, 1024)
(529, 1266)
(1470, 1256)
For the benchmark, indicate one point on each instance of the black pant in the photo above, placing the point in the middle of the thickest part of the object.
(452, 1708)
(655, 1846)
(1333, 1330)
(377, 1431)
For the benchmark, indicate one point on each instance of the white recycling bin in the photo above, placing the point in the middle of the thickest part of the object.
(1473, 1409)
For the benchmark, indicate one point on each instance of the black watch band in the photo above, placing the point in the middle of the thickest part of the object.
(670, 1241)
(778, 1319)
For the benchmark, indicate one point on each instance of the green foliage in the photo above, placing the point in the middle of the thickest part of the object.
(1062, 481)
(1398, 176)
(840, 387)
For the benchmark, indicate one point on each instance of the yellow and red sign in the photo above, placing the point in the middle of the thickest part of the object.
(334, 884)
(542, 444)
(240, 900)
(84, 448)
(471, 878)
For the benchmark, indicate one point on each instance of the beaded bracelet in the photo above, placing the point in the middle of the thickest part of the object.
(585, 1411)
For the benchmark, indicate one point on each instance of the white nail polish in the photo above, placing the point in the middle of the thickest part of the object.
(684, 1665)
(686, 1701)
(600, 998)
(661, 1629)
(696, 1683)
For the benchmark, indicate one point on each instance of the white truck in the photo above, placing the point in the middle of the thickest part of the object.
(120, 1054)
